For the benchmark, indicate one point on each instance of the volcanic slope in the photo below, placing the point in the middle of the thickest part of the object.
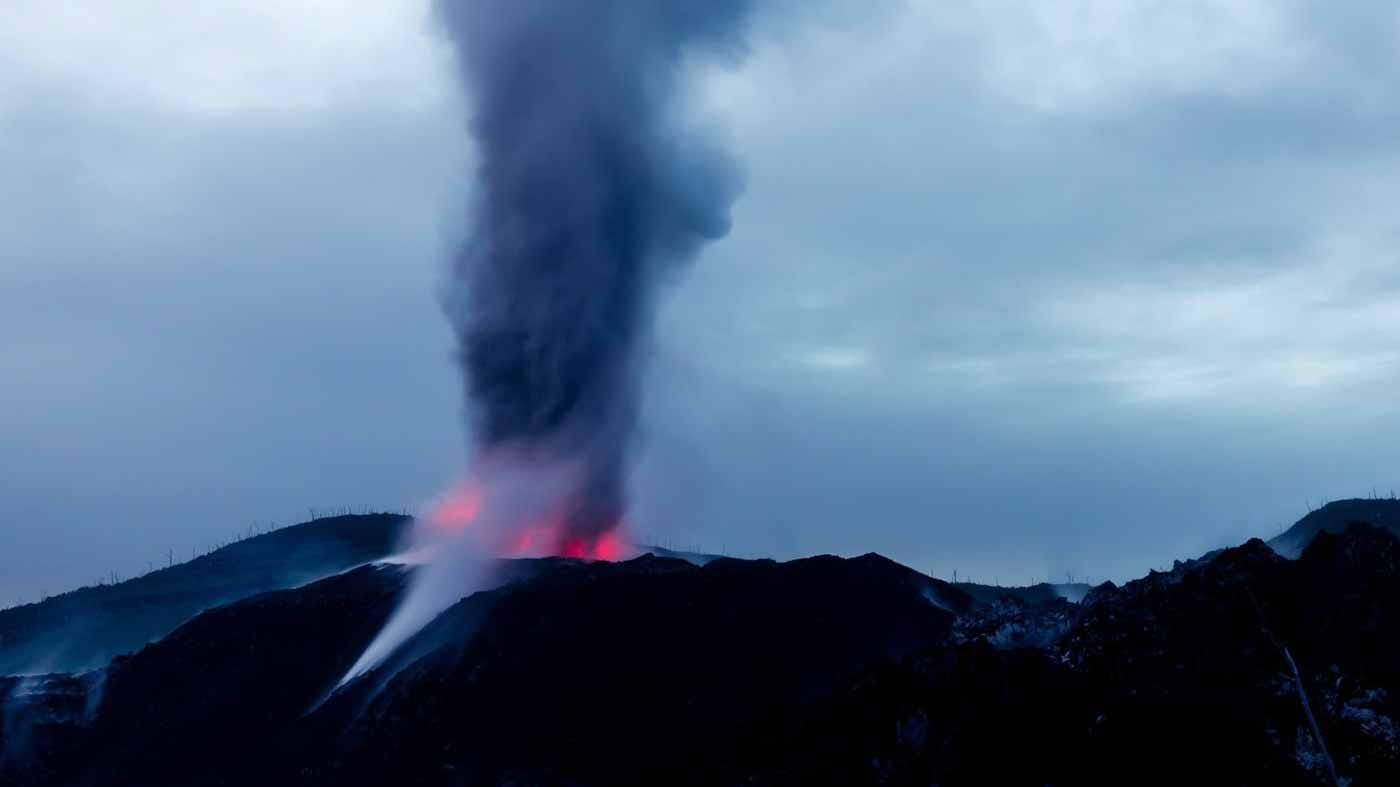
(1245, 668)
(590, 673)
(1334, 518)
(87, 627)
(815, 671)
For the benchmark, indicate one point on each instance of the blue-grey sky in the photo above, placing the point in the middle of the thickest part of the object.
(1078, 287)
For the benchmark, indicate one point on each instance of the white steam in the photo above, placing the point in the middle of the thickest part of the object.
(457, 540)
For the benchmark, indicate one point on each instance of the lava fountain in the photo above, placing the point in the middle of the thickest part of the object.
(458, 514)
(592, 187)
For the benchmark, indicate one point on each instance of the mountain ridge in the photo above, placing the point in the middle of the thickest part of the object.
(1334, 517)
(87, 627)
(812, 671)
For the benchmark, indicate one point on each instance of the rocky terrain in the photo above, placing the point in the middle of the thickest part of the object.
(86, 628)
(1383, 512)
(1242, 668)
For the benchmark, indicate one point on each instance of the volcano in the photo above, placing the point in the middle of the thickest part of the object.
(1241, 668)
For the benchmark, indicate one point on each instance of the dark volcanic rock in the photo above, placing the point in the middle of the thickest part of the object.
(1042, 593)
(1178, 678)
(190, 708)
(87, 627)
(43, 718)
(583, 673)
(817, 671)
(1012, 622)
(1334, 517)
(652, 671)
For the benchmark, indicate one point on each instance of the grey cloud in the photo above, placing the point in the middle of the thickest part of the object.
(930, 332)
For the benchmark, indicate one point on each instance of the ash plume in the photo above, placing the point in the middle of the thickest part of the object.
(590, 191)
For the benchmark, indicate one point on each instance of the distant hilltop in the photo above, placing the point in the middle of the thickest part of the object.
(1334, 518)
(85, 628)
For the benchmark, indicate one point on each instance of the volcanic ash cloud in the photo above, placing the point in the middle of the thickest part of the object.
(592, 189)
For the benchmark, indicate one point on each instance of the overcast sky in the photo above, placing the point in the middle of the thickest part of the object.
(1015, 289)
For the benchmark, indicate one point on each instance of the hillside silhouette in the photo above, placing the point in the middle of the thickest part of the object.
(85, 628)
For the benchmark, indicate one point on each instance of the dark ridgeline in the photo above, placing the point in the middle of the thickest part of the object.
(1334, 517)
(816, 671)
(578, 671)
(590, 191)
(85, 628)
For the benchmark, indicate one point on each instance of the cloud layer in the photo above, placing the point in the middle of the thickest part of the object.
(1079, 290)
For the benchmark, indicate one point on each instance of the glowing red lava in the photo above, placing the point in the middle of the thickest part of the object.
(457, 512)
(609, 546)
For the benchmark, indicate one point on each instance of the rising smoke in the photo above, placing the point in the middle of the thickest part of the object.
(591, 189)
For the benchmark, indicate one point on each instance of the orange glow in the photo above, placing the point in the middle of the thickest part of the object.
(548, 538)
(522, 542)
(610, 546)
(457, 511)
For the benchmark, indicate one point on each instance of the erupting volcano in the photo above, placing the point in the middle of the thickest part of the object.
(456, 515)
(592, 187)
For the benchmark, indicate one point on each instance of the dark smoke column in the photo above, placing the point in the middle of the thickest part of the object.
(590, 190)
